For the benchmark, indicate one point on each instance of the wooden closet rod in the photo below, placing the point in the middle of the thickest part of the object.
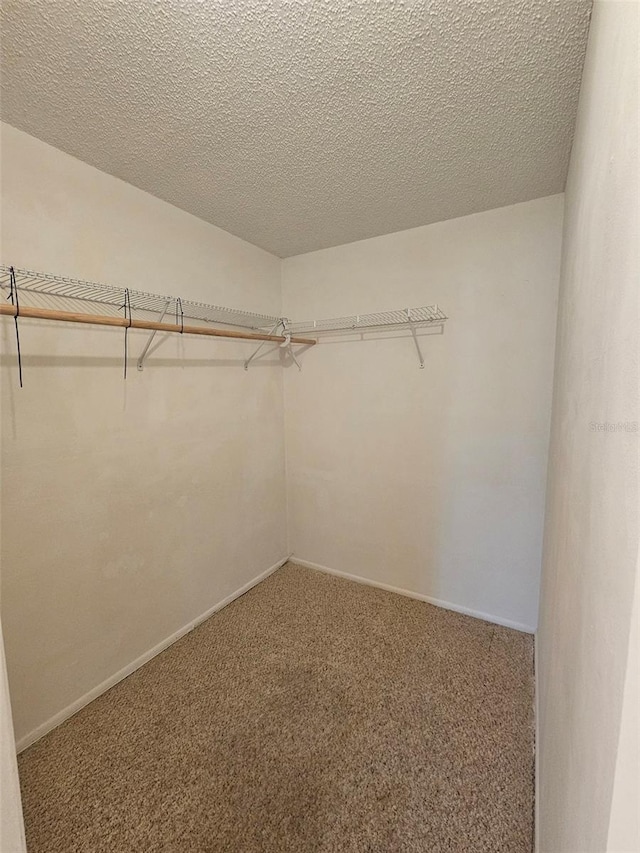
(97, 320)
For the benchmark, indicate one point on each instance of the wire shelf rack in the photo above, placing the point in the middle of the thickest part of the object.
(42, 287)
(402, 318)
(45, 291)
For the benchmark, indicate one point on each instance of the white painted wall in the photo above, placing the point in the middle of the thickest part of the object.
(591, 537)
(131, 508)
(12, 838)
(430, 480)
(624, 818)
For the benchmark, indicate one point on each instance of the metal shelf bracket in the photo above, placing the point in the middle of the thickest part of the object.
(256, 351)
(414, 334)
(144, 352)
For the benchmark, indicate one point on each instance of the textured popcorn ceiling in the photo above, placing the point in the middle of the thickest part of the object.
(299, 125)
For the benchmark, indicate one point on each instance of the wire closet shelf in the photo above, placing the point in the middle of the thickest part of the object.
(43, 286)
(45, 292)
(401, 318)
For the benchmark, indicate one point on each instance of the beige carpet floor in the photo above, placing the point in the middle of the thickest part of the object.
(313, 714)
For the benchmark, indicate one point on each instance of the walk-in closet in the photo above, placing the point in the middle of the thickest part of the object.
(319, 426)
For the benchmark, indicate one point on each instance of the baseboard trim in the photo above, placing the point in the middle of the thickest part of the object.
(536, 749)
(101, 688)
(446, 605)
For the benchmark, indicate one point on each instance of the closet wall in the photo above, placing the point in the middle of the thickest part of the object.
(430, 480)
(129, 508)
(592, 528)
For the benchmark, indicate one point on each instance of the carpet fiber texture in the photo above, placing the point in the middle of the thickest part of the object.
(312, 714)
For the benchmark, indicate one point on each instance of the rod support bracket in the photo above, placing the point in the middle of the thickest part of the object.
(417, 343)
(286, 345)
(143, 354)
(262, 343)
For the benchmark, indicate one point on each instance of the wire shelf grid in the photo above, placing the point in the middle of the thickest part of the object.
(402, 318)
(43, 286)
